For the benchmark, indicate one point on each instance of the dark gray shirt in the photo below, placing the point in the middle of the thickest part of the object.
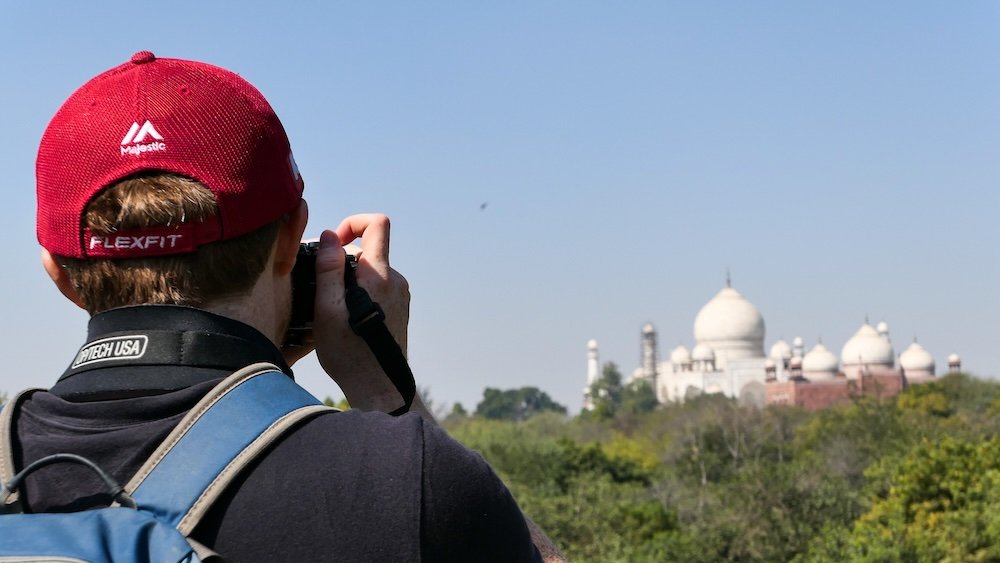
(351, 486)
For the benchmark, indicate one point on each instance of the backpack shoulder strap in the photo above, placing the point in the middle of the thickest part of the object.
(224, 432)
(7, 440)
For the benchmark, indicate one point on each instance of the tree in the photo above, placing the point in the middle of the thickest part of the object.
(516, 404)
(458, 412)
(611, 397)
(638, 397)
(342, 404)
(606, 392)
(594, 499)
(915, 477)
(943, 505)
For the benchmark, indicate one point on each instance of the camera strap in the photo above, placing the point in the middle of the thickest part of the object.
(367, 320)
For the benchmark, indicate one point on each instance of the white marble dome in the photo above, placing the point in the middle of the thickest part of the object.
(954, 359)
(592, 344)
(731, 325)
(780, 351)
(703, 353)
(916, 359)
(680, 355)
(867, 347)
(820, 359)
(648, 328)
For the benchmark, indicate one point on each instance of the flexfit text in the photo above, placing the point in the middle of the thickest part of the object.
(125, 242)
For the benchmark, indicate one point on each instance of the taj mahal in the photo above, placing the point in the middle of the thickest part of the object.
(728, 358)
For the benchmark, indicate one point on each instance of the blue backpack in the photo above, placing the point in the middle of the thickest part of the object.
(154, 514)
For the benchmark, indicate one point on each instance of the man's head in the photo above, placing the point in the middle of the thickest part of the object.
(164, 181)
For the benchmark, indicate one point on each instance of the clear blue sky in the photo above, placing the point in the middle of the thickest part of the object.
(840, 158)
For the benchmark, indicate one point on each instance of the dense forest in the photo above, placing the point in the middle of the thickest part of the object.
(914, 477)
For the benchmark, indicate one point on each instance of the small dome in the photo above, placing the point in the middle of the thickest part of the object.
(780, 351)
(954, 359)
(916, 358)
(867, 346)
(795, 363)
(797, 342)
(882, 328)
(648, 328)
(702, 353)
(680, 356)
(820, 359)
(730, 318)
(769, 364)
(592, 344)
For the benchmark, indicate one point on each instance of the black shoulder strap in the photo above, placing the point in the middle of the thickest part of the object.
(368, 321)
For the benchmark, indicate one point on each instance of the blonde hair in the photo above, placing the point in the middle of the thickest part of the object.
(214, 271)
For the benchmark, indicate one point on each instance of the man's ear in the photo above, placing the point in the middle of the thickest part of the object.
(61, 278)
(289, 238)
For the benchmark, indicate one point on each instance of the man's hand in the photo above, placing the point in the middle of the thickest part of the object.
(345, 356)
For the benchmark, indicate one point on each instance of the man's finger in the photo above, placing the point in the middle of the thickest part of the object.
(373, 228)
(330, 255)
(330, 260)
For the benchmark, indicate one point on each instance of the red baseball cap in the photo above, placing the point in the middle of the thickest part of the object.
(170, 115)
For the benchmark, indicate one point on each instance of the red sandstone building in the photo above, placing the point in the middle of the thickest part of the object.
(814, 383)
(822, 394)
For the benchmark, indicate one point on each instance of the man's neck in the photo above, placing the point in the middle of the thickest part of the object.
(265, 308)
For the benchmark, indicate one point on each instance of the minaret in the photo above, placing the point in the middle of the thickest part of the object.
(648, 360)
(954, 363)
(798, 347)
(883, 330)
(593, 372)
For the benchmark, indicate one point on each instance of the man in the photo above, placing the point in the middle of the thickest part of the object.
(170, 208)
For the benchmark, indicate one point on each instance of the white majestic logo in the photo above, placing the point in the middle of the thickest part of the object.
(132, 143)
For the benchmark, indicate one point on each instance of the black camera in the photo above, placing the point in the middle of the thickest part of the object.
(304, 291)
(365, 318)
